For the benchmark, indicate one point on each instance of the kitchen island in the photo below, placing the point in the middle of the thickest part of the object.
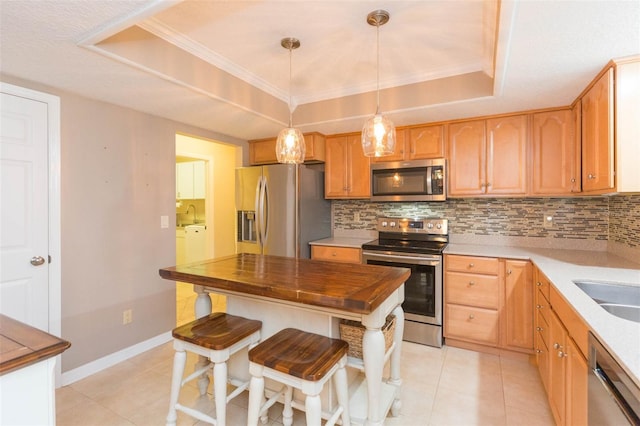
(314, 296)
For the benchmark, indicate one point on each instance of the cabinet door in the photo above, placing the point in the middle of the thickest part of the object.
(555, 163)
(557, 369)
(518, 306)
(262, 152)
(335, 168)
(184, 181)
(426, 142)
(400, 153)
(358, 169)
(199, 180)
(577, 378)
(507, 155)
(466, 150)
(597, 135)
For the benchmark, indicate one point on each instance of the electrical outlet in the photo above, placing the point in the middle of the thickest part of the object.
(547, 220)
(127, 317)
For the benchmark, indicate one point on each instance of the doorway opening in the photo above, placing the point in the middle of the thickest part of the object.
(205, 211)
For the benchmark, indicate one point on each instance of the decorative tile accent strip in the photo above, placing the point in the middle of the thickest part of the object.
(573, 218)
(624, 220)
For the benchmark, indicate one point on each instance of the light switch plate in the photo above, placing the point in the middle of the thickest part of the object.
(164, 221)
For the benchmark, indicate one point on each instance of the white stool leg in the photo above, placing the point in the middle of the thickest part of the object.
(340, 381)
(287, 412)
(256, 395)
(313, 410)
(220, 392)
(179, 360)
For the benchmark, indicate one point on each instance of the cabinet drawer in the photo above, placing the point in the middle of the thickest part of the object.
(542, 284)
(542, 306)
(472, 290)
(473, 264)
(336, 254)
(474, 324)
(542, 328)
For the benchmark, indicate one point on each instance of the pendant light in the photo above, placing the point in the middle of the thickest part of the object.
(290, 146)
(378, 132)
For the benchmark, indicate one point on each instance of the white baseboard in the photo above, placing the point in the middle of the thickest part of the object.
(110, 360)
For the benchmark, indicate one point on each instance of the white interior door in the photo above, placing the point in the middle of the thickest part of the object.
(24, 229)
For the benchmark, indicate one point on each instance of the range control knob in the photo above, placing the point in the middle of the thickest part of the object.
(430, 225)
(384, 223)
(392, 224)
(439, 226)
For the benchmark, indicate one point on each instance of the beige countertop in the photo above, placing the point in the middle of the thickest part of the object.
(621, 337)
(342, 242)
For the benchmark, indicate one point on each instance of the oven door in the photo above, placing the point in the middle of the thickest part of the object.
(422, 290)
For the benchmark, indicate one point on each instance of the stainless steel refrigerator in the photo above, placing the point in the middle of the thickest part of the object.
(280, 208)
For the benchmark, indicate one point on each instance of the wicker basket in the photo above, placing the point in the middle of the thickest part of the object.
(352, 332)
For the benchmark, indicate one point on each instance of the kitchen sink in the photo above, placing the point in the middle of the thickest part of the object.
(621, 300)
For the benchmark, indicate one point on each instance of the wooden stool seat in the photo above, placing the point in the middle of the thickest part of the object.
(217, 337)
(300, 360)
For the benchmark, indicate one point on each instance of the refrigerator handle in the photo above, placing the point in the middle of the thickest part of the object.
(258, 213)
(264, 211)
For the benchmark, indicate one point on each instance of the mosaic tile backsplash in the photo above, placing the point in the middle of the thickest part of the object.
(590, 218)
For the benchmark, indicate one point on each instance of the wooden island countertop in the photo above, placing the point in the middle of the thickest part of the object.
(350, 287)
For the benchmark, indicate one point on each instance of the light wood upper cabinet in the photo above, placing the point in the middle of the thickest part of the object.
(597, 135)
(488, 157)
(263, 151)
(507, 155)
(426, 142)
(466, 151)
(555, 147)
(417, 143)
(401, 152)
(346, 171)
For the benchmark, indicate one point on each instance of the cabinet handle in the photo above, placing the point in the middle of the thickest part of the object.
(538, 283)
(557, 346)
(591, 176)
(471, 316)
(334, 254)
(472, 283)
(488, 184)
(561, 354)
(539, 328)
(573, 180)
(538, 306)
(471, 265)
(538, 351)
(509, 271)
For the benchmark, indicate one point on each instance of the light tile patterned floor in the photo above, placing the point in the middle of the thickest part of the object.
(447, 386)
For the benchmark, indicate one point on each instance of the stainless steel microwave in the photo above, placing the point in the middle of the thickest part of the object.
(418, 180)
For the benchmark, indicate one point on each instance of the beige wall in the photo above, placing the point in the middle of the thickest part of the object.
(117, 179)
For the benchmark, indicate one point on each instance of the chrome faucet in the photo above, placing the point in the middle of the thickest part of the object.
(194, 212)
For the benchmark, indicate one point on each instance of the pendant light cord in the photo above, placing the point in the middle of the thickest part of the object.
(378, 68)
(290, 111)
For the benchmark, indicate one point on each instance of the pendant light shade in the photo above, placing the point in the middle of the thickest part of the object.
(290, 147)
(378, 132)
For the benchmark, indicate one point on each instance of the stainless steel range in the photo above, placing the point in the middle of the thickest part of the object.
(416, 244)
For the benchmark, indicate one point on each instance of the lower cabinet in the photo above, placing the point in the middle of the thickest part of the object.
(336, 253)
(489, 302)
(562, 365)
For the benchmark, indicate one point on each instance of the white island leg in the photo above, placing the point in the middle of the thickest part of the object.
(202, 308)
(373, 357)
(395, 379)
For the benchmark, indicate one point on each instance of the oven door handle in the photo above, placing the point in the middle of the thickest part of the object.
(428, 260)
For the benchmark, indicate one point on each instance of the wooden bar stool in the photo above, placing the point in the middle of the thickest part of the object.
(300, 360)
(217, 337)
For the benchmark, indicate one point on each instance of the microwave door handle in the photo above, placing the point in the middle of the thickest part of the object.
(429, 181)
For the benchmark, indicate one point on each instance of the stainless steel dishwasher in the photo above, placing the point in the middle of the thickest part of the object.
(614, 398)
